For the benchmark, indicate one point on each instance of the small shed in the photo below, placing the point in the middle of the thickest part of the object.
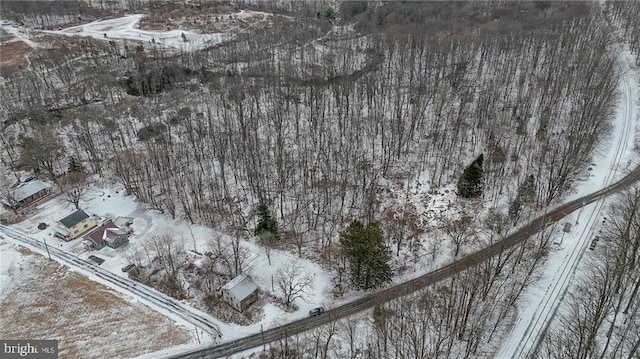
(240, 292)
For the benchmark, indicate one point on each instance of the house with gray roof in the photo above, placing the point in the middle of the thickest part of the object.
(76, 224)
(25, 193)
(240, 292)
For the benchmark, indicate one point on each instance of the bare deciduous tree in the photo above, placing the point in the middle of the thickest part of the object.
(293, 282)
(460, 232)
(74, 186)
(170, 253)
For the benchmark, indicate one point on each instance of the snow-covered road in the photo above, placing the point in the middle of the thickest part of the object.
(539, 303)
(19, 35)
(144, 294)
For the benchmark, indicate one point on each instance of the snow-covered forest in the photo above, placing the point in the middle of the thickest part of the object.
(322, 122)
(330, 112)
(600, 317)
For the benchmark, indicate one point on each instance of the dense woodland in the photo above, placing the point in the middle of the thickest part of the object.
(326, 115)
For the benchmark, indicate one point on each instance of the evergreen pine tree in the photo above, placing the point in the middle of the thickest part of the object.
(527, 190)
(368, 255)
(515, 207)
(75, 165)
(470, 184)
(330, 14)
(526, 195)
(267, 225)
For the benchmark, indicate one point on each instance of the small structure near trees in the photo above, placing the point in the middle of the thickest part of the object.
(240, 292)
(25, 193)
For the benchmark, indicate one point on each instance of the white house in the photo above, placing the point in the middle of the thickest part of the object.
(240, 292)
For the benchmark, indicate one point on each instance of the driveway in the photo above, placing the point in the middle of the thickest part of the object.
(141, 213)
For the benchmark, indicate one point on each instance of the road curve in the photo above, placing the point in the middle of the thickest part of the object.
(410, 286)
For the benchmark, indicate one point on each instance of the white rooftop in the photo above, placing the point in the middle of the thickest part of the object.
(241, 287)
(28, 189)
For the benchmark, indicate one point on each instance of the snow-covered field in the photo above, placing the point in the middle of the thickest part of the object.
(19, 35)
(125, 28)
(43, 299)
(614, 158)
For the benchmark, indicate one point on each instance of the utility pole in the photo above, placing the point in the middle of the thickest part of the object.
(579, 213)
(197, 336)
(47, 247)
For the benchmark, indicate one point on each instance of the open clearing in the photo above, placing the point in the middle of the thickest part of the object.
(44, 300)
(13, 51)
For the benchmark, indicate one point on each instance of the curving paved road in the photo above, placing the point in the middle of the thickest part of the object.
(538, 324)
(411, 286)
(151, 297)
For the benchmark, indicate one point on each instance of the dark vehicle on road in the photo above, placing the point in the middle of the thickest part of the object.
(128, 267)
(316, 311)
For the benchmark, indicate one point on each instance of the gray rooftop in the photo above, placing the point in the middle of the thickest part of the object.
(74, 218)
(28, 189)
(241, 287)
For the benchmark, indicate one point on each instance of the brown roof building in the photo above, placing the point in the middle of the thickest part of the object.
(107, 234)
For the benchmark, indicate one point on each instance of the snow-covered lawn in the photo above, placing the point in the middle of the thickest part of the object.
(110, 203)
(42, 299)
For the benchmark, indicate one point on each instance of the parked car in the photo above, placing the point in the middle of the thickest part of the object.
(316, 311)
(96, 259)
(128, 267)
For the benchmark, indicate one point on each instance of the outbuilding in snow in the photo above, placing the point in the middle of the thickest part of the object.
(240, 292)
